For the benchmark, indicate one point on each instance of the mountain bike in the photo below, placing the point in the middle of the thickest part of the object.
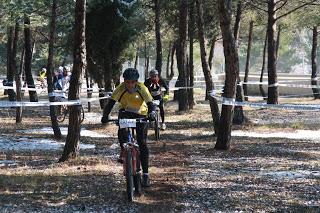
(156, 123)
(131, 156)
(63, 112)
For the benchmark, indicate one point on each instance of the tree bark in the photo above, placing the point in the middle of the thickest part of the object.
(16, 72)
(316, 91)
(273, 93)
(182, 56)
(211, 53)
(136, 61)
(215, 113)
(157, 11)
(278, 42)
(89, 89)
(238, 116)
(246, 72)
(173, 49)
(50, 70)
(28, 59)
(262, 92)
(232, 70)
(168, 61)
(71, 147)
(191, 65)
(10, 68)
(146, 60)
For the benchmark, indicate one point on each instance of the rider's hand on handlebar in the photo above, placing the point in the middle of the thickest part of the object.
(165, 98)
(152, 115)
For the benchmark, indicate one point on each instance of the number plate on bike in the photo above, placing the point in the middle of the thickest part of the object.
(126, 123)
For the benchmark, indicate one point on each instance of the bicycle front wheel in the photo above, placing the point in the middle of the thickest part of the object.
(129, 177)
(157, 127)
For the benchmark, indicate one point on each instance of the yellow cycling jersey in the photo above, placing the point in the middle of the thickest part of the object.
(133, 102)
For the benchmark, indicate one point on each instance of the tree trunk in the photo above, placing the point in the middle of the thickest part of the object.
(157, 11)
(21, 73)
(232, 70)
(272, 55)
(107, 80)
(10, 69)
(16, 72)
(246, 72)
(278, 42)
(71, 147)
(215, 113)
(191, 66)
(211, 54)
(136, 61)
(238, 116)
(316, 91)
(28, 59)
(237, 23)
(262, 92)
(107, 74)
(146, 60)
(182, 56)
(173, 49)
(50, 70)
(89, 89)
(168, 61)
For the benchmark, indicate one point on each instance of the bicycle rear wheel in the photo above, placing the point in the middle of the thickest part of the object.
(82, 114)
(129, 177)
(61, 113)
(157, 127)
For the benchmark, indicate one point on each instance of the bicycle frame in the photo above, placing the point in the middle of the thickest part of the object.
(130, 157)
(132, 146)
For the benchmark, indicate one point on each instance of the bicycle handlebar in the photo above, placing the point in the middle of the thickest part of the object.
(138, 120)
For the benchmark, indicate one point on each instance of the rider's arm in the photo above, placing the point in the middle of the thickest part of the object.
(164, 84)
(107, 109)
(115, 96)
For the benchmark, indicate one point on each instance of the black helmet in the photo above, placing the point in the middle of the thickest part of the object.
(153, 72)
(131, 74)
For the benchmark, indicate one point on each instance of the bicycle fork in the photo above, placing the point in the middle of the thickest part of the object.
(133, 148)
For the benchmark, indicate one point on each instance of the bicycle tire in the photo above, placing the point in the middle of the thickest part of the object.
(61, 113)
(137, 183)
(157, 127)
(137, 175)
(82, 115)
(129, 176)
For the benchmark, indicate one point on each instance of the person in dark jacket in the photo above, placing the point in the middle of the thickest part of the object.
(155, 84)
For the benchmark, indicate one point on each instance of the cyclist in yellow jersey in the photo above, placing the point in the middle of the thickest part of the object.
(135, 102)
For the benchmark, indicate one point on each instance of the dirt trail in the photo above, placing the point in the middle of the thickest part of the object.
(187, 174)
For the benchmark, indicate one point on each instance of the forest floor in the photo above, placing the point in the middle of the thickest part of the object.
(273, 165)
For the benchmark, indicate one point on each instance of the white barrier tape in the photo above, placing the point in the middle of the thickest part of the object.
(274, 85)
(285, 96)
(300, 86)
(306, 107)
(214, 92)
(6, 104)
(255, 82)
(57, 94)
(228, 101)
(94, 99)
(22, 88)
